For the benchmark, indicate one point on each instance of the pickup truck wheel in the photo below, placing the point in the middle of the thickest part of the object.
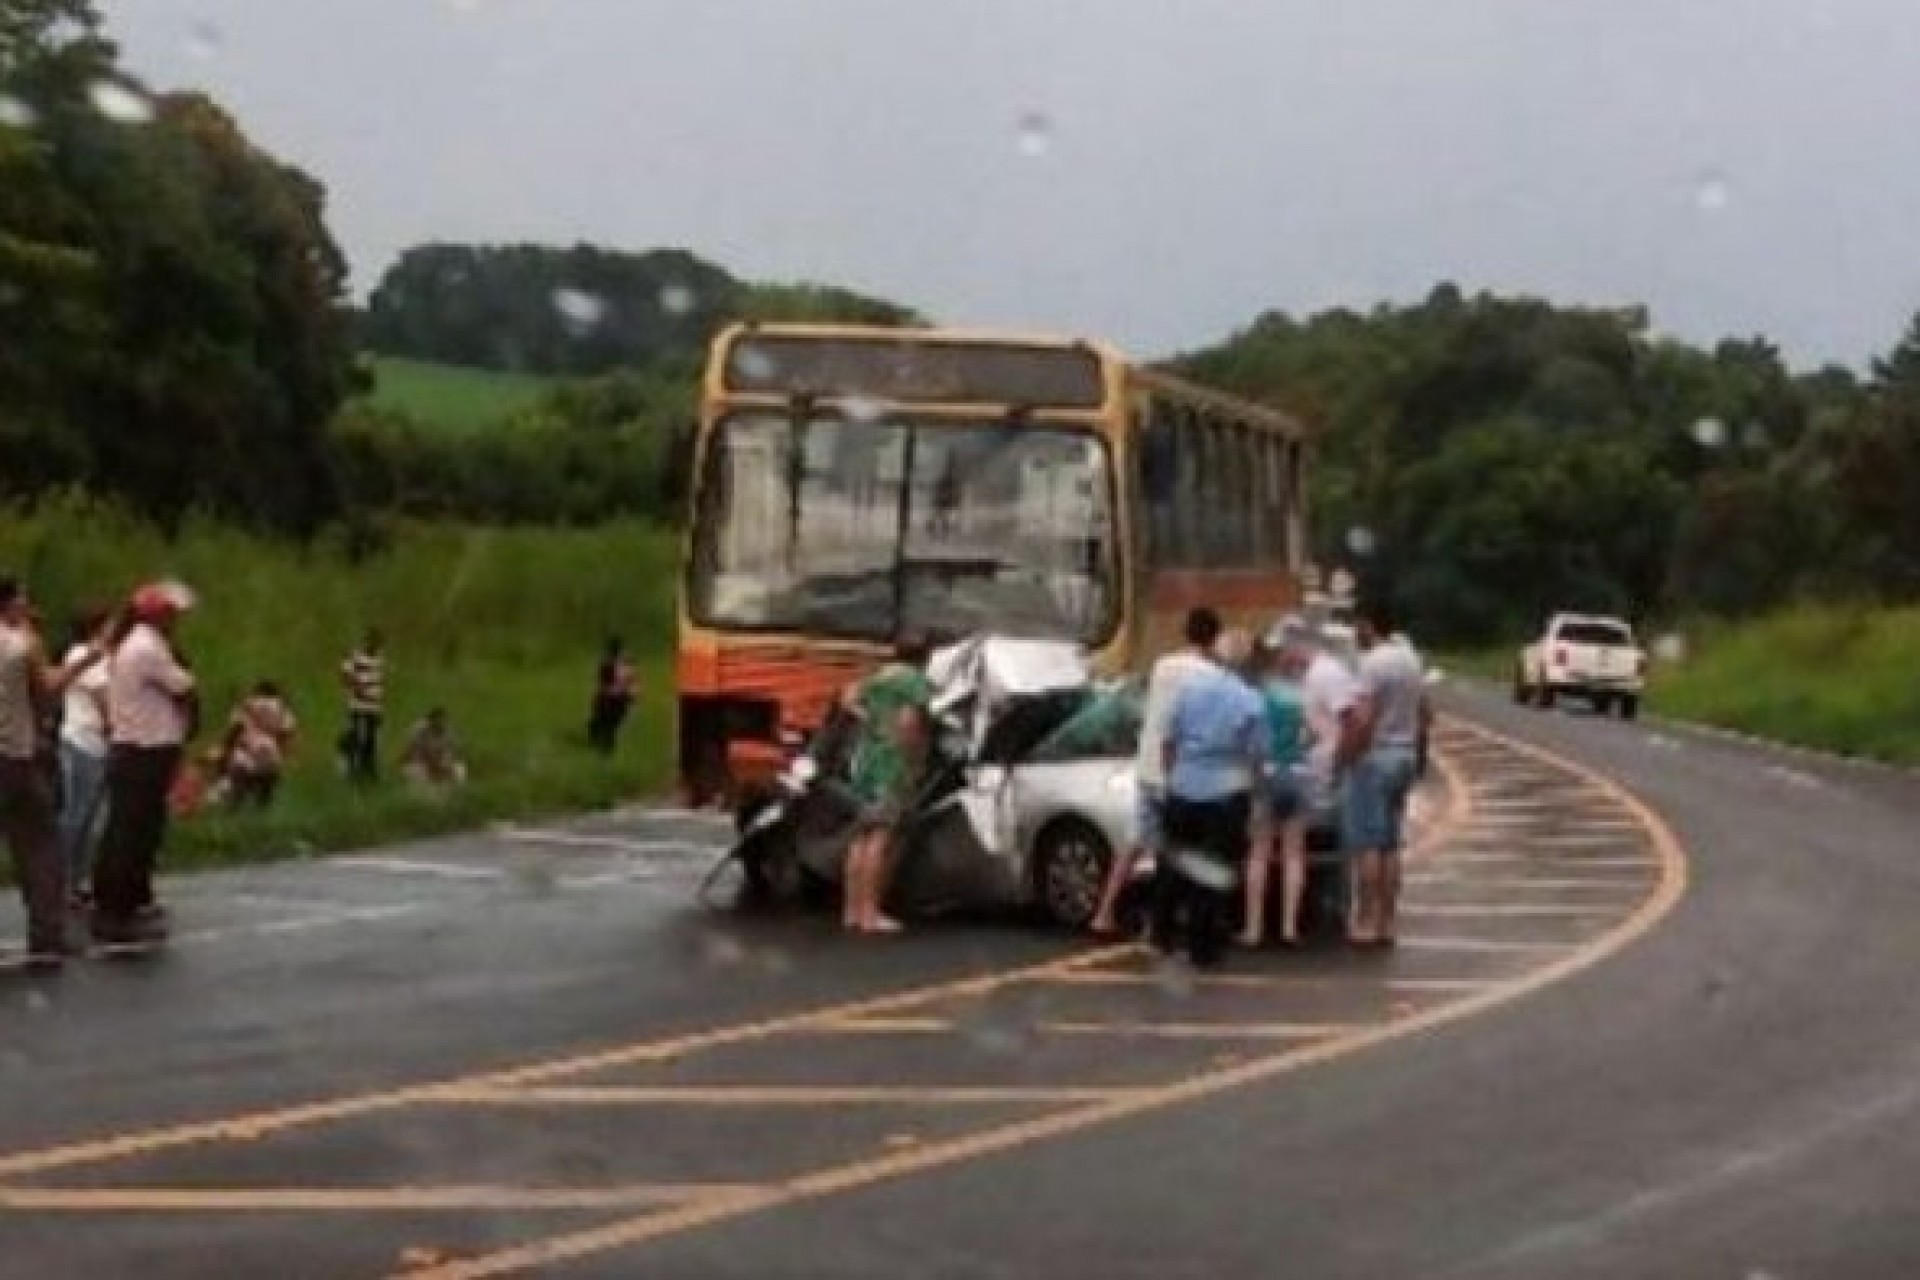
(1521, 694)
(1629, 706)
(1544, 697)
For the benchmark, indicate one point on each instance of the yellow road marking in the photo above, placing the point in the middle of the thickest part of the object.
(260, 1124)
(1491, 946)
(885, 1026)
(862, 1173)
(1555, 884)
(769, 1095)
(1505, 910)
(357, 1199)
(1262, 981)
(1201, 1030)
(1171, 1030)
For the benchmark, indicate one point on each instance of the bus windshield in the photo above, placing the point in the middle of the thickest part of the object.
(874, 529)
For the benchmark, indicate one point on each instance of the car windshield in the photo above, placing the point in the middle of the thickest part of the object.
(873, 528)
(1603, 634)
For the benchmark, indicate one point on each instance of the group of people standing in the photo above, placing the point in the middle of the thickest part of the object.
(1243, 741)
(128, 706)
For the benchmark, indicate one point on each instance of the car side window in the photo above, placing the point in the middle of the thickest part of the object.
(1108, 727)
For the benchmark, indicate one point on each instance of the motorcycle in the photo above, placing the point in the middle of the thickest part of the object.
(994, 699)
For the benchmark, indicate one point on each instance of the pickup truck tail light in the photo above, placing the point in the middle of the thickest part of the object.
(1639, 664)
(1560, 657)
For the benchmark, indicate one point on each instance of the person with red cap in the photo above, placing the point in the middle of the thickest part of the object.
(150, 701)
(29, 685)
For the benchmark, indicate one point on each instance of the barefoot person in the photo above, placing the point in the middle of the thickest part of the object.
(1170, 674)
(891, 707)
(885, 778)
(1279, 665)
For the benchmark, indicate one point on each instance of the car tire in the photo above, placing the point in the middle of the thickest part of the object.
(1521, 694)
(1545, 698)
(1629, 706)
(1070, 869)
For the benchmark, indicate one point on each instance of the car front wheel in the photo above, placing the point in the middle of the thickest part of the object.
(1070, 871)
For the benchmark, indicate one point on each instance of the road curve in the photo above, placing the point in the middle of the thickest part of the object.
(1737, 1094)
(419, 1060)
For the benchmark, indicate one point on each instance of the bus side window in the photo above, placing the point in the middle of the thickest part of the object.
(1159, 475)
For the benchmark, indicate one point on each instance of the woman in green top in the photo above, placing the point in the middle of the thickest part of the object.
(1277, 670)
(891, 705)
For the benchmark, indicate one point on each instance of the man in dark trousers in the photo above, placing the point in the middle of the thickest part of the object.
(28, 688)
(150, 709)
(364, 675)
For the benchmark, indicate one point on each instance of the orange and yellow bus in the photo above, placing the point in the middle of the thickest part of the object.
(853, 485)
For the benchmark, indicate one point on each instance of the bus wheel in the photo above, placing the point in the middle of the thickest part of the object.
(1070, 870)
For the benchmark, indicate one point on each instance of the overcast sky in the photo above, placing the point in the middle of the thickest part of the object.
(1157, 172)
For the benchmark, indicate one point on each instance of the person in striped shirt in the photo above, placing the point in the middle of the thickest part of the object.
(364, 676)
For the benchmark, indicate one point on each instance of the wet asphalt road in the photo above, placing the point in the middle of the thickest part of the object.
(528, 1053)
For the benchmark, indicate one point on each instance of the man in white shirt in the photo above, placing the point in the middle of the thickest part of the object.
(1170, 674)
(28, 687)
(1394, 715)
(149, 711)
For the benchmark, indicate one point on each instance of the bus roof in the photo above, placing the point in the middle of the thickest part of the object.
(1114, 364)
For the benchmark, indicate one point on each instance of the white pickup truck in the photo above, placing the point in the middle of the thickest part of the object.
(1583, 656)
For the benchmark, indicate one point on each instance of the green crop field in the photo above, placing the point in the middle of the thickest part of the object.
(449, 397)
(503, 627)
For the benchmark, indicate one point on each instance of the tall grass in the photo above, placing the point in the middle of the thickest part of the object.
(450, 397)
(503, 627)
(1840, 678)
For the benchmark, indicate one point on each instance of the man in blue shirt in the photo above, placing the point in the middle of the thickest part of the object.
(1216, 754)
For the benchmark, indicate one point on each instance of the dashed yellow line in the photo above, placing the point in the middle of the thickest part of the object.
(867, 1172)
(257, 1125)
(359, 1199)
(772, 1096)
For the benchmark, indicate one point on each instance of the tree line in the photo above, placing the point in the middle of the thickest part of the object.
(172, 303)
(179, 339)
(1483, 460)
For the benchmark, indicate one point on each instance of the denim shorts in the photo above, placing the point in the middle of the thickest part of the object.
(1374, 801)
(1286, 795)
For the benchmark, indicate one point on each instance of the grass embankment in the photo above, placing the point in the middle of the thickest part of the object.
(503, 627)
(1831, 677)
(451, 397)
(1840, 679)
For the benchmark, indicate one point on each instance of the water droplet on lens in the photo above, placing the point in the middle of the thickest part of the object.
(1034, 134)
(1712, 192)
(1709, 433)
(865, 409)
(754, 364)
(677, 299)
(203, 39)
(723, 950)
(537, 878)
(15, 113)
(578, 307)
(118, 103)
(1360, 540)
